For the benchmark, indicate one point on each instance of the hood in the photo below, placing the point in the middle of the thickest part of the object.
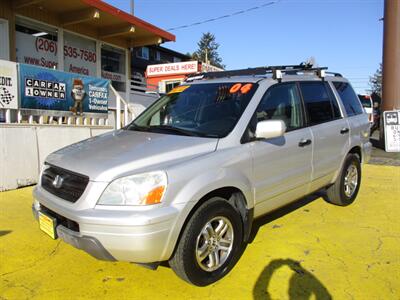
(121, 152)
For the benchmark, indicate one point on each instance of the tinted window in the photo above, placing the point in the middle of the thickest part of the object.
(319, 102)
(282, 102)
(349, 98)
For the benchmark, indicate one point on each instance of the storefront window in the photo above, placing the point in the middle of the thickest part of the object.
(166, 86)
(36, 44)
(4, 38)
(79, 55)
(170, 85)
(113, 66)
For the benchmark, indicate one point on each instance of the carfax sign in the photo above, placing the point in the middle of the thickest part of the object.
(8, 85)
(46, 89)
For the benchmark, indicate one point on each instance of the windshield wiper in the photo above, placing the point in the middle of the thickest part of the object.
(185, 131)
(174, 129)
(169, 128)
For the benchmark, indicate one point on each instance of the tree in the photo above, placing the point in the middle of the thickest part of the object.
(207, 51)
(375, 82)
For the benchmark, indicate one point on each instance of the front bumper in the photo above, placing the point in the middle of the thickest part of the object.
(85, 243)
(124, 235)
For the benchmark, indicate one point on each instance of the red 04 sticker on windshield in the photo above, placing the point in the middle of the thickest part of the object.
(243, 88)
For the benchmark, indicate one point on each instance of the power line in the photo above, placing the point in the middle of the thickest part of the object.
(225, 16)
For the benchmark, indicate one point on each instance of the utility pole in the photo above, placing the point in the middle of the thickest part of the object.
(391, 56)
(391, 59)
(132, 7)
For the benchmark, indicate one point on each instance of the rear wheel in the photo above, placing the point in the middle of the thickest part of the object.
(210, 244)
(345, 189)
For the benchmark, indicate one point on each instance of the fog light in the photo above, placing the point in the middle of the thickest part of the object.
(36, 205)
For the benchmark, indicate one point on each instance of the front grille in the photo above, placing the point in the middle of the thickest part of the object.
(69, 186)
(72, 225)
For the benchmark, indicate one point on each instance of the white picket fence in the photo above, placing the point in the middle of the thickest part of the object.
(119, 117)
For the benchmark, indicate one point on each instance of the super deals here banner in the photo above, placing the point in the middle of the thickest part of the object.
(46, 89)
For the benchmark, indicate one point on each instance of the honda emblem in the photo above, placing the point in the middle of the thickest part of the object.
(58, 181)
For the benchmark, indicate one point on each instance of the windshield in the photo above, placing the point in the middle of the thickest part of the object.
(206, 110)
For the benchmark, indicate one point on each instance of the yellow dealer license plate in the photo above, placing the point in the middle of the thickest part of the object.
(48, 225)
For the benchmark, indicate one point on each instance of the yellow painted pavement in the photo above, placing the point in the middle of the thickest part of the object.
(311, 250)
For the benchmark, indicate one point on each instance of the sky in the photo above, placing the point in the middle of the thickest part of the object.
(343, 35)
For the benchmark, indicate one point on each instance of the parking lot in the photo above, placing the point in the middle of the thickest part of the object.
(309, 250)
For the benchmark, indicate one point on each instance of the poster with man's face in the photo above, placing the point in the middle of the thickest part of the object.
(78, 95)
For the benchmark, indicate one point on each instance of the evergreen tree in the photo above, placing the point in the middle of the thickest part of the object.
(375, 82)
(208, 50)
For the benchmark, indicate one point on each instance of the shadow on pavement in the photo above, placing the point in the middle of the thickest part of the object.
(380, 157)
(302, 284)
(377, 144)
(270, 217)
(4, 232)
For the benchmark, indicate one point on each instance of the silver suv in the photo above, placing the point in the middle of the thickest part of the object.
(184, 181)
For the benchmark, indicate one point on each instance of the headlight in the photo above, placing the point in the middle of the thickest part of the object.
(142, 189)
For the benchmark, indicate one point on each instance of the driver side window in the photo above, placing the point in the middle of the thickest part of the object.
(282, 102)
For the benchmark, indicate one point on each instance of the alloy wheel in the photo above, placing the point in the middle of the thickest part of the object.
(214, 243)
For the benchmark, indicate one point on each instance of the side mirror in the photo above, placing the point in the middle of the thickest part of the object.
(270, 129)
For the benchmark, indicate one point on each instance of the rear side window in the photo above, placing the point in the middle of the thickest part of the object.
(319, 102)
(365, 101)
(349, 98)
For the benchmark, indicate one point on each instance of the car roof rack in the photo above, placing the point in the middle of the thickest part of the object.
(276, 72)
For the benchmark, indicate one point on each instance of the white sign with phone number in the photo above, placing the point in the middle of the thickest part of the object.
(79, 53)
(36, 51)
(391, 121)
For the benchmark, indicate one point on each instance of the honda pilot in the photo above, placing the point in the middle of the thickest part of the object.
(184, 181)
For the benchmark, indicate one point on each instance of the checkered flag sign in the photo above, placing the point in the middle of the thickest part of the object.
(5, 96)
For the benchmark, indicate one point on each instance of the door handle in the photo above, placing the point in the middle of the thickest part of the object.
(304, 142)
(344, 130)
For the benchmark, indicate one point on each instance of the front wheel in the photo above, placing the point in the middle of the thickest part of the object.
(210, 244)
(345, 189)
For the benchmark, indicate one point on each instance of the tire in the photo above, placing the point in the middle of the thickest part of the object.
(343, 192)
(199, 267)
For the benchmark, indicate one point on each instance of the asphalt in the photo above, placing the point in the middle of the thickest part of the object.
(379, 156)
(309, 250)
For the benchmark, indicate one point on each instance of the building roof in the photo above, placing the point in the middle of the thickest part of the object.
(174, 53)
(108, 21)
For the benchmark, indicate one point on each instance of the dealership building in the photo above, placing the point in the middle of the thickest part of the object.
(87, 37)
(90, 44)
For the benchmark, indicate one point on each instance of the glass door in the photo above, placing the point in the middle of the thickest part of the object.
(5, 42)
